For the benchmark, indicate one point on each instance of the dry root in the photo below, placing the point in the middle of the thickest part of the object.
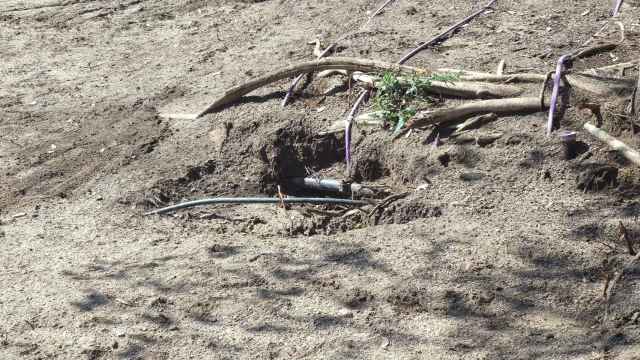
(511, 106)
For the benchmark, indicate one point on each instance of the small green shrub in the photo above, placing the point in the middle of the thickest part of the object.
(396, 97)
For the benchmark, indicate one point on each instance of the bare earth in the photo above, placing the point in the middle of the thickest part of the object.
(498, 255)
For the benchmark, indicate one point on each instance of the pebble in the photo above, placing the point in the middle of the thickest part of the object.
(345, 313)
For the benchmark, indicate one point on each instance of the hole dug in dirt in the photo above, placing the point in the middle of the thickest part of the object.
(295, 151)
(255, 160)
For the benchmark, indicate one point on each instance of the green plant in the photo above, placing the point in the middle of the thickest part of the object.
(396, 97)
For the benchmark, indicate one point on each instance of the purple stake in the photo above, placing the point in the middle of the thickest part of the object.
(616, 8)
(556, 90)
(347, 129)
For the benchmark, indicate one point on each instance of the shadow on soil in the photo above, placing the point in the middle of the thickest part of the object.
(549, 305)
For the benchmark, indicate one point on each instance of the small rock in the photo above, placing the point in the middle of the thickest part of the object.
(217, 137)
(471, 176)
(487, 139)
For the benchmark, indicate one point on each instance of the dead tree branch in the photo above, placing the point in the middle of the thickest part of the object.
(629, 153)
(351, 64)
(509, 106)
(459, 89)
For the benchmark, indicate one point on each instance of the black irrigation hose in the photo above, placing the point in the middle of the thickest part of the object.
(256, 200)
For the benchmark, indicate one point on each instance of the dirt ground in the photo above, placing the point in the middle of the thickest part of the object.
(499, 251)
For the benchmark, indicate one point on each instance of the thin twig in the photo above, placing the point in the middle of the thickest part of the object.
(623, 235)
(445, 33)
(612, 285)
(281, 196)
(607, 281)
(386, 202)
(544, 89)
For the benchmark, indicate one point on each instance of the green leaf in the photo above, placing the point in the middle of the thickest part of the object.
(394, 96)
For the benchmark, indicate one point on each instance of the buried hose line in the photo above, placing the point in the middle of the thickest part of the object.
(331, 185)
(320, 184)
(256, 200)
